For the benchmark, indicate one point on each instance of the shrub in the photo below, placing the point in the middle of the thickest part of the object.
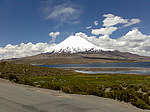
(53, 86)
(134, 87)
(140, 104)
(145, 89)
(13, 77)
(66, 89)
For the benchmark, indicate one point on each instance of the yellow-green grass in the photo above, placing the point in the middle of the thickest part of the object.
(124, 87)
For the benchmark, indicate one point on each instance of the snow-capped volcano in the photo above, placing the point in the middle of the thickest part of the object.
(74, 44)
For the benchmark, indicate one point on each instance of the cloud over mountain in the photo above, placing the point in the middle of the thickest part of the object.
(134, 41)
(53, 35)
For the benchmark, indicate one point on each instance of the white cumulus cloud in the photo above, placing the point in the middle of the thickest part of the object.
(134, 42)
(109, 15)
(89, 27)
(111, 20)
(54, 35)
(96, 23)
(23, 50)
(132, 21)
(104, 31)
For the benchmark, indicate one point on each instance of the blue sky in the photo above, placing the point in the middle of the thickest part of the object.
(27, 20)
(30, 27)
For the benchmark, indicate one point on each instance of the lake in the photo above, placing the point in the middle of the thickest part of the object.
(134, 67)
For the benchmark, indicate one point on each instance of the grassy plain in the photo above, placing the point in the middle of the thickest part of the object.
(124, 87)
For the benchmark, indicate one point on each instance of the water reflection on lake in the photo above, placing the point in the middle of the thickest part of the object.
(134, 67)
(140, 71)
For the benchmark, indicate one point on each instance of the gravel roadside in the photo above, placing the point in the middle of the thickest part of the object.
(23, 98)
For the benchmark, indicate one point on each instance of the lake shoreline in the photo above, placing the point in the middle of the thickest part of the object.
(113, 68)
(121, 70)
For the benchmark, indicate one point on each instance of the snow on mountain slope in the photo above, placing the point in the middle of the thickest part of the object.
(75, 44)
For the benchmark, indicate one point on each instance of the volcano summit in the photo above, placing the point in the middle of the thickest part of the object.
(75, 44)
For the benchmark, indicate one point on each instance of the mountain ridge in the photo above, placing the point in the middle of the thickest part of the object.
(77, 50)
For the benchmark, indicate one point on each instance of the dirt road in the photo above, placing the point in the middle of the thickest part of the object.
(22, 98)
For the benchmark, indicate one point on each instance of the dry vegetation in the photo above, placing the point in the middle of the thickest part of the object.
(128, 88)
